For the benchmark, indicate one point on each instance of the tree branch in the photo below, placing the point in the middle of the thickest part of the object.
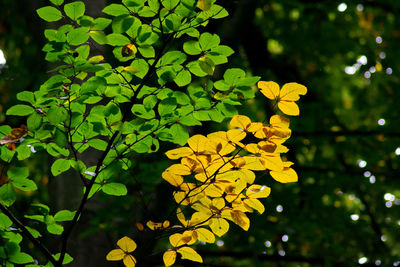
(25, 231)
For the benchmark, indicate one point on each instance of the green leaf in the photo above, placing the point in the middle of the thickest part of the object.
(207, 65)
(18, 173)
(75, 10)
(100, 24)
(147, 51)
(167, 106)
(57, 114)
(116, 10)
(78, 36)
(7, 194)
(232, 76)
(60, 166)
(189, 120)
(179, 134)
(24, 184)
(64, 215)
(55, 229)
(60, 137)
(67, 258)
(208, 41)
(57, 2)
(34, 121)
(26, 96)
(94, 84)
(170, 4)
(33, 232)
(183, 78)
(192, 47)
(20, 110)
(5, 222)
(99, 36)
(98, 144)
(21, 258)
(141, 112)
(49, 13)
(114, 189)
(116, 39)
(194, 67)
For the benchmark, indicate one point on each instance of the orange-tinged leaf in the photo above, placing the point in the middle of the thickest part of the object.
(205, 235)
(140, 226)
(169, 257)
(189, 254)
(269, 89)
(115, 255)
(96, 59)
(241, 122)
(129, 260)
(126, 244)
(287, 175)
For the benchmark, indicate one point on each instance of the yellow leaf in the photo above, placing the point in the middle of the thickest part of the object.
(258, 191)
(240, 219)
(219, 226)
(289, 93)
(189, 254)
(287, 175)
(129, 260)
(204, 5)
(179, 152)
(205, 235)
(198, 143)
(255, 204)
(241, 122)
(115, 255)
(156, 226)
(173, 179)
(126, 244)
(179, 169)
(169, 257)
(269, 89)
(176, 240)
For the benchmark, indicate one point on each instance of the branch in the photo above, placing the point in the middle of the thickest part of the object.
(25, 231)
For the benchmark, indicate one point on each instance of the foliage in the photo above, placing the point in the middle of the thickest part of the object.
(157, 84)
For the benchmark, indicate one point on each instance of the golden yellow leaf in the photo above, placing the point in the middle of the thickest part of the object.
(126, 244)
(197, 143)
(179, 152)
(189, 254)
(129, 260)
(173, 179)
(255, 204)
(205, 235)
(289, 93)
(176, 240)
(157, 225)
(115, 255)
(269, 89)
(169, 257)
(241, 122)
(287, 175)
(258, 191)
(219, 226)
(240, 219)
